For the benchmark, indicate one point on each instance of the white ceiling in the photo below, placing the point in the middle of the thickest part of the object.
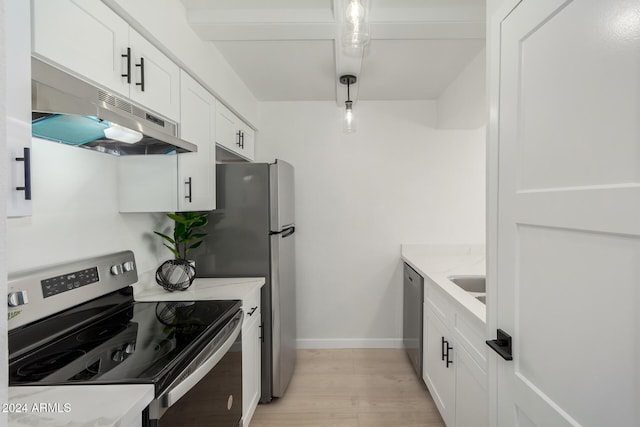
(290, 50)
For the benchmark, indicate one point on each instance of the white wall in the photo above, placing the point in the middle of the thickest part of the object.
(75, 213)
(359, 196)
(463, 104)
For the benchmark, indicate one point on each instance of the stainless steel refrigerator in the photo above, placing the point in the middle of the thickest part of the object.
(251, 233)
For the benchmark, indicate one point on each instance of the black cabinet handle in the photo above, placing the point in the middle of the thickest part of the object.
(238, 135)
(442, 348)
(502, 345)
(253, 310)
(449, 348)
(128, 56)
(241, 139)
(141, 65)
(188, 195)
(26, 158)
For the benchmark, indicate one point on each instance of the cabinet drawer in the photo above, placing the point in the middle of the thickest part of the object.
(436, 300)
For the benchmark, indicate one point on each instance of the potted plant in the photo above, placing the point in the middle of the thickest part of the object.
(178, 273)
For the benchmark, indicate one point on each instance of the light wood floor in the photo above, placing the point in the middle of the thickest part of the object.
(351, 388)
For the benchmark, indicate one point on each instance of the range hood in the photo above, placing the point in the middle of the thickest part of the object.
(69, 110)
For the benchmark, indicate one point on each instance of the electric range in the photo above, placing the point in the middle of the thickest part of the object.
(77, 323)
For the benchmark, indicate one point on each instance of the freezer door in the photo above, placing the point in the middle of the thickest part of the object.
(283, 300)
(282, 195)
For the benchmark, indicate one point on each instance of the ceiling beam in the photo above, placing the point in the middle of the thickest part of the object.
(387, 23)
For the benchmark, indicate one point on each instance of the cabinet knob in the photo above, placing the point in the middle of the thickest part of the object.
(128, 266)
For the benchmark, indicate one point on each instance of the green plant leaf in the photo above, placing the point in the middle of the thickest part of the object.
(164, 236)
(177, 255)
(195, 245)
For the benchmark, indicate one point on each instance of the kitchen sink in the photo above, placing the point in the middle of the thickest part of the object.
(473, 284)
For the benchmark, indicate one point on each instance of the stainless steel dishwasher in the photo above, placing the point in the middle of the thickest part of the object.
(412, 317)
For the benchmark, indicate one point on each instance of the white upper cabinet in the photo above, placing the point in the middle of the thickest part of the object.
(176, 183)
(233, 134)
(18, 108)
(156, 79)
(196, 171)
(87, 38)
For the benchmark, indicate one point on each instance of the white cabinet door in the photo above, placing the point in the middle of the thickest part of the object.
(84, 37)
(251, 356)
(148, 183)
(196, 171)
(233, 134)
(472, 398)
(438, 358)
(251, 371)
(568, 232)
(156, 79)
(18, 107)
(226, 127)
(247, 141)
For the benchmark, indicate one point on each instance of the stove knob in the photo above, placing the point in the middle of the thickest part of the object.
(129, 348)
(128, 266)
(117, 356)
(17, 298)
(116, 269)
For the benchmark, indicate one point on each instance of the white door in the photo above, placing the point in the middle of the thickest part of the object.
(568, 242)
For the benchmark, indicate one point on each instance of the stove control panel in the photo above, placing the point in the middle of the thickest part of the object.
(55, 288)
(66, 282)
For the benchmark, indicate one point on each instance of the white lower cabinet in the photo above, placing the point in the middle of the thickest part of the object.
(454, 360)
(251, 356)
(437, 373)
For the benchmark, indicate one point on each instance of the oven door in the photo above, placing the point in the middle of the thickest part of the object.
(209, 391)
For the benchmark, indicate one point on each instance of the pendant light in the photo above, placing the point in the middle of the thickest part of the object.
(356, 23)
(349, 125)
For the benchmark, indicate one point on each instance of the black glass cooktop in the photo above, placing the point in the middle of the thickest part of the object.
(124, 342)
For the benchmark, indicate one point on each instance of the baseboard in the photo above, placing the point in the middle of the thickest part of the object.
(310, 343)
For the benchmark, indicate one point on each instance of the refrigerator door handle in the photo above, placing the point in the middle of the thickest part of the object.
(286, 232)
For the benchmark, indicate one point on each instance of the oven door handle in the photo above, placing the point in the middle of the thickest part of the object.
(212, 356)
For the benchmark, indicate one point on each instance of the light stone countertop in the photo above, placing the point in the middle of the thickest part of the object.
(115, 405)
(202, 289)
(439, 262)
(78, 406)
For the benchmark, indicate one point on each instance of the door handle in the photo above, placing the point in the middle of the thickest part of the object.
(141, 82)
(26, 158)
(188, 195)
(128, 56)
(502, 345)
